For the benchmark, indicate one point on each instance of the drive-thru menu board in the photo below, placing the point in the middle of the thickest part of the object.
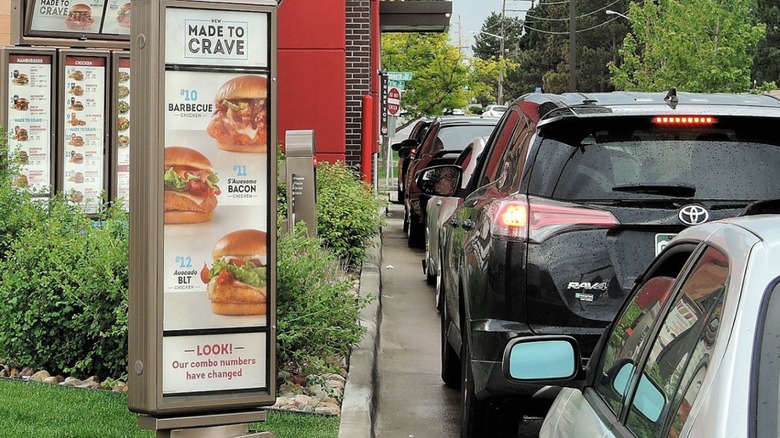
(29, 124)
(216, 212)
(123, 132)
(84, 129)
(80, 17)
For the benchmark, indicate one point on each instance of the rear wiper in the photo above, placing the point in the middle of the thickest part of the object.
(683, 190)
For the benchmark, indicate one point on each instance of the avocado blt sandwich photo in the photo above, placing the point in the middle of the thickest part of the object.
(239, 120)
(237, 278)
(190, 186)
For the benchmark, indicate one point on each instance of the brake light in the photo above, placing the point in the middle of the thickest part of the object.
(684, 120)
(537, 219)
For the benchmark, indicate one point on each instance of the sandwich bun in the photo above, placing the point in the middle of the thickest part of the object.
(179, 207)
(242, 88)
(186, 157)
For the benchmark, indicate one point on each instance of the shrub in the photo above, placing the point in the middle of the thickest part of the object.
(317, 314)
(63, 300)
(347, 212)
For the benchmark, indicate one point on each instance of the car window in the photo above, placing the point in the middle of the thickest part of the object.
(492, 169)
(621, 159)
(766, 385)
(457, 137)
(633, 325)
(681, 352)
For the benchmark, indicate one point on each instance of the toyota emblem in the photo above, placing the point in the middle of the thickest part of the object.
(693, 214)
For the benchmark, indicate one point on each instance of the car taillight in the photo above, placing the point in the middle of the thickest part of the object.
(537, 219)
(684, 120)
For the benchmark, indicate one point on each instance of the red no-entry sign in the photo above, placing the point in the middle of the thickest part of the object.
(393, 101)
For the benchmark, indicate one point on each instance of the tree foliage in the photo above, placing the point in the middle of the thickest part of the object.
(766, 64)
(695, 45)
(440, 77)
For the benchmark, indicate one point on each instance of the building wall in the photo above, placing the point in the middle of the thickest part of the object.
(358, 72)
(312, 73)
(5, 22)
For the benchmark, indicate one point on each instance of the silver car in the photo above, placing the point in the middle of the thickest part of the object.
(439, 209)
(694, 352)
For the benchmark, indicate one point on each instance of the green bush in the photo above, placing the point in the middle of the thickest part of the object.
(317, 312)
(347, 212)
(63, 300)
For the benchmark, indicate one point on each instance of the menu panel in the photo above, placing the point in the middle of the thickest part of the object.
(81, 17)
(84, 129)
(29, 125)
(123, 132)
(216, 199)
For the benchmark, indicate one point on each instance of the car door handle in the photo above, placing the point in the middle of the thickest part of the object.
(468, 224)
(438, 203)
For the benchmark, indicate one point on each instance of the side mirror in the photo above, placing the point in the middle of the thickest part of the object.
(438, 180)
(408, 143)
(405, 152)
(649, 399)
(545, 358)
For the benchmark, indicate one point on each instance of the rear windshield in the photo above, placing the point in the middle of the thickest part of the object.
(457, 137)
(626, 159)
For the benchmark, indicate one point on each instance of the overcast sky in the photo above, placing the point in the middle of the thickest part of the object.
(468, 15)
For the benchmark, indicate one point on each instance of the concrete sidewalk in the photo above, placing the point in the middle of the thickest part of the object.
(358, 408)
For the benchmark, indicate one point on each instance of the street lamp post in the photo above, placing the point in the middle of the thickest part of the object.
(500, 99)
(611, 12)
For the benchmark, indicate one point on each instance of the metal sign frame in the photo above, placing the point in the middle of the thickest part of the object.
(151, 393)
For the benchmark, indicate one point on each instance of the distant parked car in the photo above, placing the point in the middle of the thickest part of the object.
(494, 110)
(406, 150)
(574, 197)
(440, 208)
(692, 353)
(446, 138)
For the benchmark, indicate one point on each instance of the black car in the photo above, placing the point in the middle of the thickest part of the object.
(406, 150)
(446, 138)
(574, 196)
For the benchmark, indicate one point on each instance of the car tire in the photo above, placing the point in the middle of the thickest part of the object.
(430, 275)
(406, 220)
(473, 412)
(416, 233)
(450, 363)
(484, 418)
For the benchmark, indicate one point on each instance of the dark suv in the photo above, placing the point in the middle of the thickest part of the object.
(406, 149)
(574, 195)
(446, 138)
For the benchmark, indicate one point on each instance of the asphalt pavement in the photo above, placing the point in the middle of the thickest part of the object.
(394, 387)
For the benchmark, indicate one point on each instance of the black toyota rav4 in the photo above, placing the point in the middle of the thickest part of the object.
(574, 196)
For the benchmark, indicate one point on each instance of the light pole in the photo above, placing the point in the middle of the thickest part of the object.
(610, 12)
(500, 99)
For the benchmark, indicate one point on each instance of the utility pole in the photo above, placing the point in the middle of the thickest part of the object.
(572, 45)
(501, 55)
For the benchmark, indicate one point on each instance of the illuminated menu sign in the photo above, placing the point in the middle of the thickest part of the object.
(80, 17)
(216, 212)
(29, 124)
(123, 132)
(84, 129)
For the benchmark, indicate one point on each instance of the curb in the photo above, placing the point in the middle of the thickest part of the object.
(358, 406)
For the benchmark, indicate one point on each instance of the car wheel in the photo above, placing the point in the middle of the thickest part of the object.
(450, 364)
(430, 274)
(473, 412)
(484, 418)
(406, 220)
(416, 233)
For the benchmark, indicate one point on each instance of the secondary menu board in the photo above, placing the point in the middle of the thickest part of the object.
(80, 17)
(122, 181)
(83, 118)
(29, 125)
(216, 212)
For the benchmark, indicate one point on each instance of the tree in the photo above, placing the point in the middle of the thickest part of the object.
(488, 62)
(440, 75)
(692, 45)
(766, 64)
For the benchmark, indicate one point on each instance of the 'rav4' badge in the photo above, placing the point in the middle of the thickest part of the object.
(587, 286)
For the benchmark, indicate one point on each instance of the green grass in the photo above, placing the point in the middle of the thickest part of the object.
(30, 409)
